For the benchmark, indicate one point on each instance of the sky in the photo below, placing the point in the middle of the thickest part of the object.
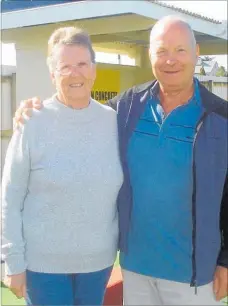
(213, 9)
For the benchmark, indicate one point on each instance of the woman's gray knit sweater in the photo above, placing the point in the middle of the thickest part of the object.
(61, 178)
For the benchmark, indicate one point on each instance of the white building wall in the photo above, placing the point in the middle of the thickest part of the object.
(6, 104)
(6, 116)
(33, 77)
(8, 79)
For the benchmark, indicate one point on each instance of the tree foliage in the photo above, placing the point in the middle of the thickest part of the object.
(221, 72)
(202, 71)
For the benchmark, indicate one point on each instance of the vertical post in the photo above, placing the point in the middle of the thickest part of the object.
(210, 85)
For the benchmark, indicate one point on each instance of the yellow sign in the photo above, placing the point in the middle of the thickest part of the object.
(107, 85)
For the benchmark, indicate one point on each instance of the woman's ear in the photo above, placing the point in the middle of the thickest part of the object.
(53, 78)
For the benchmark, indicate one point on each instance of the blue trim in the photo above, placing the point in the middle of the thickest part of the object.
(15, 5)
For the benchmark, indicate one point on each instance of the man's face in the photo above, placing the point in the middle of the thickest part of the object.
(173, 56)
(74, 73)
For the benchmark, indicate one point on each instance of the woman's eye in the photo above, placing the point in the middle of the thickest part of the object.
(62, 68)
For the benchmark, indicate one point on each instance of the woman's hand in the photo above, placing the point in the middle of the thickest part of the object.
(25, 109)
(17, 284)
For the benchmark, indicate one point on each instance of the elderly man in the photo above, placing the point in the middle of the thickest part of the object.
(173, 149)
(173, 145)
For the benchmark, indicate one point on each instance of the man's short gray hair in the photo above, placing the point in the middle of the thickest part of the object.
(68, 36)
(173, 19)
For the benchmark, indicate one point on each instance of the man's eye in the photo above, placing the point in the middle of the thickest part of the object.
(181, 50)
(81, 65)
(161, 52)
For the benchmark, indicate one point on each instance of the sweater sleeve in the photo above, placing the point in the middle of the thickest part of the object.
(14, 189)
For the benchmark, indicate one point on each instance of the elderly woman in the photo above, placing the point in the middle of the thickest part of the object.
(60, 221)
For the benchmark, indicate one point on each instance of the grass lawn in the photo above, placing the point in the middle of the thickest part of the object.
(9, 298)
(117, 263)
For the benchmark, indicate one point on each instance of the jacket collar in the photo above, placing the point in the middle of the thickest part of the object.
(210, 102)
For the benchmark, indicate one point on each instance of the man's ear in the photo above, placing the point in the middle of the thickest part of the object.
(149, 53)
(197, 50)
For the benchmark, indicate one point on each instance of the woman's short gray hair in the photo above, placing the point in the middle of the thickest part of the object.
(68, 36)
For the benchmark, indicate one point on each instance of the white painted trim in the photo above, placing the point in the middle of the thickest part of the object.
(98, 9)
(62, 12)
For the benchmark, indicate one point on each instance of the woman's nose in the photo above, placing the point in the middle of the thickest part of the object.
(74, 71)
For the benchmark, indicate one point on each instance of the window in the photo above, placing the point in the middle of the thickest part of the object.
(114, 58)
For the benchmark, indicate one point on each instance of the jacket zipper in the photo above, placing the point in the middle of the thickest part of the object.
(194, 279)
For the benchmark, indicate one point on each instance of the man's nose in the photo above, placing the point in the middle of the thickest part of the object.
(171, 60)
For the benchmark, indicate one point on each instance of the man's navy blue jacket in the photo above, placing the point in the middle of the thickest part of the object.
(210, 178)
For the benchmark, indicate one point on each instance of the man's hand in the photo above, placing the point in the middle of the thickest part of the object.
(220, 283)
(25, 109)
(17, 284)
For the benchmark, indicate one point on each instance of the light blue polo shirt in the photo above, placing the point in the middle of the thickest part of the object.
(160, 154)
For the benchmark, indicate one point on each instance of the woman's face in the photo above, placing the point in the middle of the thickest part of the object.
(74, 73)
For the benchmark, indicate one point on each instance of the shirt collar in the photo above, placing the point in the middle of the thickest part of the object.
(196, 98)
